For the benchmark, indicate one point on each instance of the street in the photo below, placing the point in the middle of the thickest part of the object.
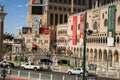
(48, 75)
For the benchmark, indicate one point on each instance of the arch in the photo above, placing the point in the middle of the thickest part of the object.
(118, 40)
(63, 62)
(105, 22)
(116, 56)
(95, 54)
(95, 50)
(110, 57)
(74, 49)
(36, 19)
(100, 54)
(94, 41)
(91, 50)
(105, 55)
(104, 40)
(101, 40)
(91, 54)
(77, 49)
(119, 20)
(87, 49)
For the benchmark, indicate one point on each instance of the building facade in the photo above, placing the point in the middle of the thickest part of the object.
(43, 17)
(101, 49)
(62, 37)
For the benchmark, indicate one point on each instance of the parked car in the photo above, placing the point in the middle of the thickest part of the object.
(7, 64)
(78, 71)
(31, 66)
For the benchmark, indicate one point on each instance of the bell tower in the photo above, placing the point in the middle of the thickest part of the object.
(2, 16)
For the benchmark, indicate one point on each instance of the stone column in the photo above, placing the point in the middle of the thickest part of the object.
(2, 15)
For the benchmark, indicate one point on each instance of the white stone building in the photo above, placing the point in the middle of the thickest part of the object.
(100, 20)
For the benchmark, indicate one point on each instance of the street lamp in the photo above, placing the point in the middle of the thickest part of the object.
(4, 72)
(89, 32)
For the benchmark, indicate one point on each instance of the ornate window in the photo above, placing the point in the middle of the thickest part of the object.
(95, 25)
(105, 22)
(36, 22)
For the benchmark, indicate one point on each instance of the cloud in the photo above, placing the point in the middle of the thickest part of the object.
(19, 5)
(26, 5)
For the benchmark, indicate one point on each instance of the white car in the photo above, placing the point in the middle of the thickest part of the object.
(77, 71)
(31, 66)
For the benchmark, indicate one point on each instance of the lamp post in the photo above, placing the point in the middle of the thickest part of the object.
(84, 51)
(4, 72)
(89, 32)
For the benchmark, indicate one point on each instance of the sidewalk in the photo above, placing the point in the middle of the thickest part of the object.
(11, 78)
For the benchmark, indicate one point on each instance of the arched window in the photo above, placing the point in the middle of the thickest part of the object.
(105, 22)
(119, 20)
(95, 25)
(117, 40)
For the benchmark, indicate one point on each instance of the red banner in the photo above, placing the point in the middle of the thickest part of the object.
(81, 26)
(46, 30)
(74, 32)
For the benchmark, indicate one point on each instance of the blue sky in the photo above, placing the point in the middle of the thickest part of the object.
(16, 15)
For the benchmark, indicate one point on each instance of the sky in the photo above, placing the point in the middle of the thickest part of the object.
(16, 17)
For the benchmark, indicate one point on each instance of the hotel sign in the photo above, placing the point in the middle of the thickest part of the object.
(81, 28)
(111, 25)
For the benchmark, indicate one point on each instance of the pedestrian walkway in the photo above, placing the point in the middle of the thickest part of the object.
(11, 78)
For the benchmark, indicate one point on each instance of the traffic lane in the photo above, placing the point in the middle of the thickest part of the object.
(59, 75)
(54, 73)
(47, 73)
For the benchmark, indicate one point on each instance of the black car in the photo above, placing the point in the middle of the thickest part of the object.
(7, 64)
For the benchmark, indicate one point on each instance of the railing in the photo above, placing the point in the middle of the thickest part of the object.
(38, 76)
(109, 74)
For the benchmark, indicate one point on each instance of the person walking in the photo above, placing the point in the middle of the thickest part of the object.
(9, 71)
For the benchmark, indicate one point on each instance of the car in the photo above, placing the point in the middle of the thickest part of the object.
(31, 66)
(7, 64)
(78, 71)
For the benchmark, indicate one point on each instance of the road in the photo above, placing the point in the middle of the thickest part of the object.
(46, 75)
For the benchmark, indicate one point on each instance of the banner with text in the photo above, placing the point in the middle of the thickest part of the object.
(74, 32)
(81, 28)
(111, 25)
